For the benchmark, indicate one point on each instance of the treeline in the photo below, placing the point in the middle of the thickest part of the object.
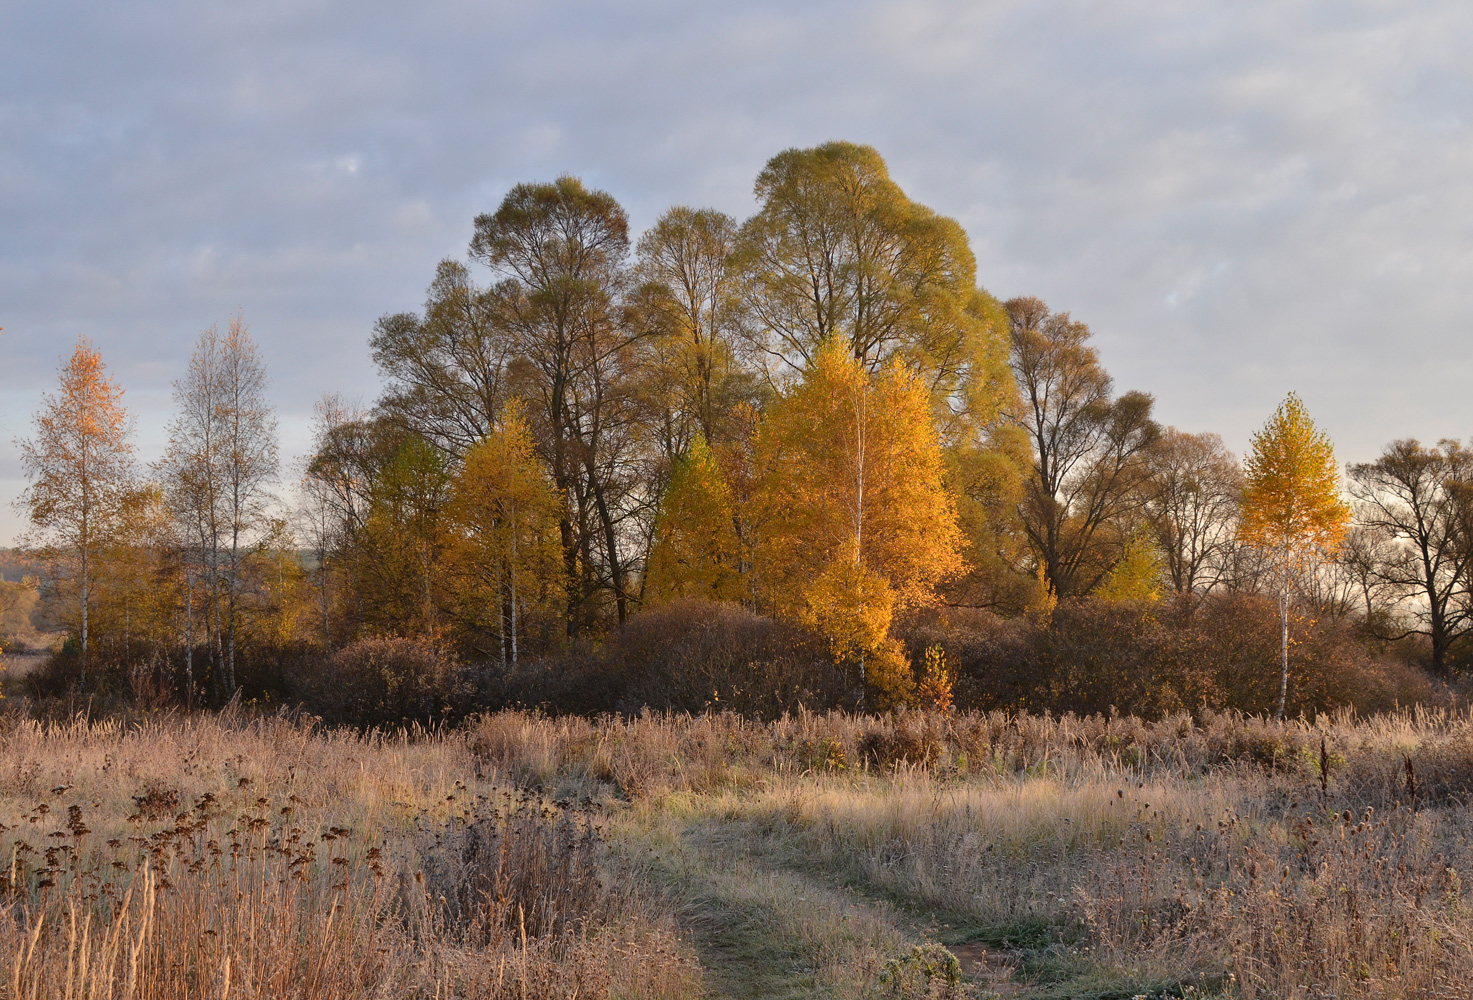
(849, 475)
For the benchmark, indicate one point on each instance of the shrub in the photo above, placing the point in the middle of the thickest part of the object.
(385, 682)
(689, 655)
(1159, 659)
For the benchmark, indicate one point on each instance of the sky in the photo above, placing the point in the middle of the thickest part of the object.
(1241, 199)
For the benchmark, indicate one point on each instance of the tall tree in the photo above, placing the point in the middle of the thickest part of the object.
(560, 249)
(221, 460)
(837, 249)
(1087, 466)
(80, 466)
(1420, 498)
(1191, 503)
(446, 370)
(855, 517)
(1291, 504)
(690, 298)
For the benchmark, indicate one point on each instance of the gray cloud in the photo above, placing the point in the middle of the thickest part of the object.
(1240, 198)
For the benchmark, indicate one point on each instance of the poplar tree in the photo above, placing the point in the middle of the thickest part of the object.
(80, 466)
(1291, 504)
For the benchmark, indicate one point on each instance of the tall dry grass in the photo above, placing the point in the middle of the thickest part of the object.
(1321, 858)
(218, 858)
(221, 856)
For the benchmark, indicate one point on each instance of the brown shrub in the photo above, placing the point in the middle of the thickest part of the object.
(692, 656)
(385, 682)
(1155, 660)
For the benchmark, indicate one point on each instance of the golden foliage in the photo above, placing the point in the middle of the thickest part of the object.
(1291, 499)
(506, 549)
(695, 552)
(851, 468)
(1138, 574)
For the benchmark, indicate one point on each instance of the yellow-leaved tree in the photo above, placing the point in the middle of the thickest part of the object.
(80, 465)
(507, 551)
(695, 551)
(1291, 504)
(854, 520)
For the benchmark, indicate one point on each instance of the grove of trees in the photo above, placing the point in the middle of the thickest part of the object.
(815, 418)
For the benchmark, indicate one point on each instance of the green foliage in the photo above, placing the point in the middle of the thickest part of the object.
(928, 971)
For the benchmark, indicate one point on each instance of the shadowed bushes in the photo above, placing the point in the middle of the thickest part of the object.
(1222, 652)
(385, 682)
(689, 655)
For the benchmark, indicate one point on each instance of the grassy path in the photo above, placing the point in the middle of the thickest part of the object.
(762, 928)
(766, 924)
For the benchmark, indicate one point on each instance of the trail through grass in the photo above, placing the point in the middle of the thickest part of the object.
(762, 927)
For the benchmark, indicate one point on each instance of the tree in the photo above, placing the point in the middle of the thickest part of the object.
(446, 371)
(559, 249)
(1291, 504)
(80, 466)
(689, 298)
(217, 470)
(696, 551)
(507, 556)
(838, 250)
(855, 520)
(1084, 488)
(1191, 504)
(1419, 497)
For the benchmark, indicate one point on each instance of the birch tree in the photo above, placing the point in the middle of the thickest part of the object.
(80, 466)
(1291, 506)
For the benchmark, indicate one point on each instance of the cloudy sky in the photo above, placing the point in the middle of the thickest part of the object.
(1240, 198)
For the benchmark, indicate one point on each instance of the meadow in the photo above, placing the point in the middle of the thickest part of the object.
(833, 855)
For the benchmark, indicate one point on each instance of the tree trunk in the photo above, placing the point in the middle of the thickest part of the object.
(1284, 648)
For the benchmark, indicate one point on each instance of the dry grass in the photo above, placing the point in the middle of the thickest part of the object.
(1230, 854)
(211, 858)
(525, 856)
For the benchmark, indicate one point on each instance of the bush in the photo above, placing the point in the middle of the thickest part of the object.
(689, 655)
(1157, 659)
(385, 682)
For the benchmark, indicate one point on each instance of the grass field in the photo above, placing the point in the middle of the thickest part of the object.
(819, 856)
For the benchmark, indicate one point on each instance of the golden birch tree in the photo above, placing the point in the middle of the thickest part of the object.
(507, 552)
(856, 520)
(1291, 504)
(80, 466)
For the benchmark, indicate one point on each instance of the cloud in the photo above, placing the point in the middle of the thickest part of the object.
(1240, 198)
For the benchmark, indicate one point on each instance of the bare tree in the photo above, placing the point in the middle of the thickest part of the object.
(1191, 502)
(1420, 498)
(221, 460)
(1086, 448)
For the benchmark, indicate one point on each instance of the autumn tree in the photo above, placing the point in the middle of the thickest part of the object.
(405, 540)
(1419, 499)
(80, 466)
(445, 370)
(507, 556)
(696, 550)
(688, 298)
(856, 520)
(559, 252)
(836, 249)
(217, 473)
(1291, 504)
(1191, 504)
(1087, 465)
